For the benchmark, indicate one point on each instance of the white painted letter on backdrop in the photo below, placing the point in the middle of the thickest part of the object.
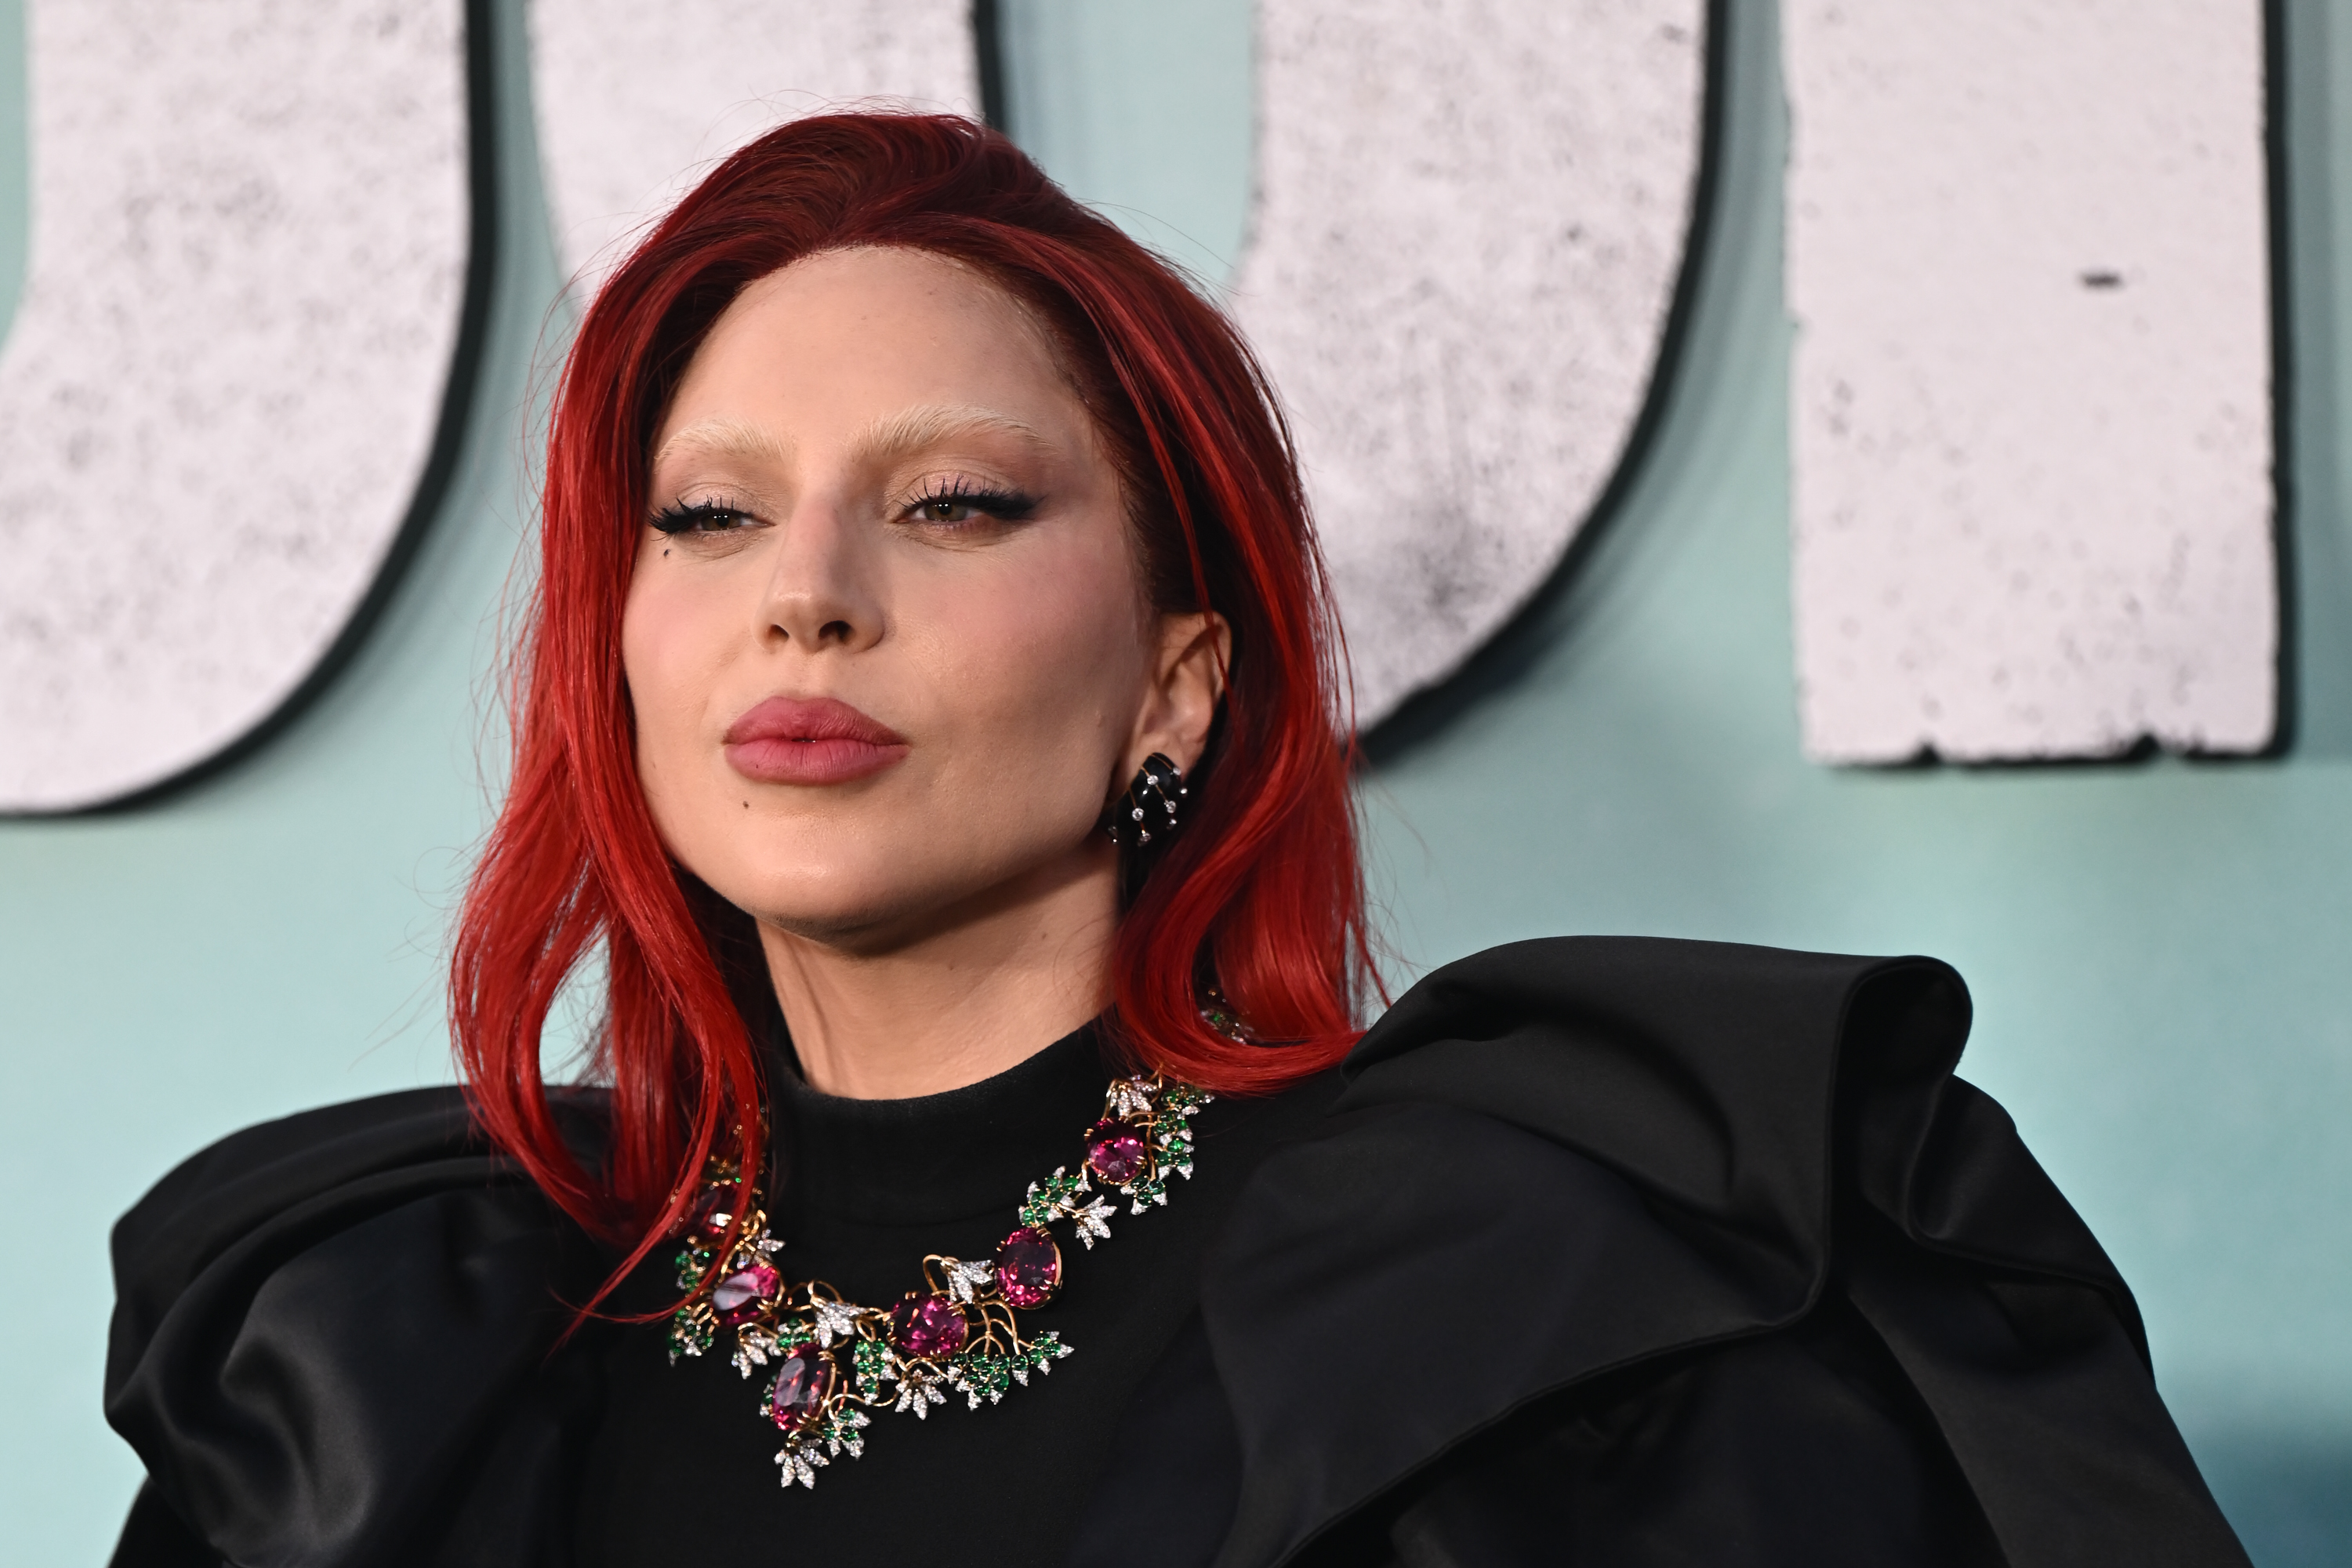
(226, 374)
(1471, 217)
(2027, 257)
(636, 101)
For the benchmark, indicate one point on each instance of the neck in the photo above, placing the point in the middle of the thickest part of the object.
(962, 1001)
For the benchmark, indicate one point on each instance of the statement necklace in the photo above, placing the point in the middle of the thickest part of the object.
(959, 1333)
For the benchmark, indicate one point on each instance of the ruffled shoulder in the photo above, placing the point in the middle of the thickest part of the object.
(330, 1343)
(1559, 1161)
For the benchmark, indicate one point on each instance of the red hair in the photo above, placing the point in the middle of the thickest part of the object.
(1260, 896)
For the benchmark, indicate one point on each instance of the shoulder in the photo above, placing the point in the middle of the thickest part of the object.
(1741, 1090)
(310, 1312)
(1558, 1163)
(1732, 1087)
(1626, 1146)
(1759, 1030)
(264, 1195)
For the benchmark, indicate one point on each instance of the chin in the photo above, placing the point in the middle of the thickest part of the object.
(876, 903)
(809, 901)
(844, 904)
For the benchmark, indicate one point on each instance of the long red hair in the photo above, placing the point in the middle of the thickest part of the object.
(1260, 896)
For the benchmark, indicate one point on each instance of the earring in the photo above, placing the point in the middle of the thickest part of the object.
(1148, 810)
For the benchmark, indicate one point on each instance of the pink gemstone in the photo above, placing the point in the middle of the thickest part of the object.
(714, 1210)
(740, 1296)
(803, 1377)
(1028, 1268)
(1114, 1151)
(928, 1327)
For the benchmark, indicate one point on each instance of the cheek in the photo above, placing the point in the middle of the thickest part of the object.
(665, 657)
(1038, 680)
(1048, 668)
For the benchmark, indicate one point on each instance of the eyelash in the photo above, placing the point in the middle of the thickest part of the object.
(679, 517)
(1004, 506)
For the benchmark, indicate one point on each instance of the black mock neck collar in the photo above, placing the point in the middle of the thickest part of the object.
(936, 1157)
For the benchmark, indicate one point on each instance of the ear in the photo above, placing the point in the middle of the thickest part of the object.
(1188, 683)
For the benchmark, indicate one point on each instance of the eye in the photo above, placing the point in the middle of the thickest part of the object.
(703, 517)
(956, 503)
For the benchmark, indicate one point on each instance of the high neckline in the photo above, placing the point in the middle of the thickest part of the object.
(936, 1157)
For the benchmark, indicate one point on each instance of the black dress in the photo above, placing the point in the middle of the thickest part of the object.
(1595, 1251)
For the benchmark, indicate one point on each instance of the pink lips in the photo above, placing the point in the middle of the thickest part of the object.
(809, 741)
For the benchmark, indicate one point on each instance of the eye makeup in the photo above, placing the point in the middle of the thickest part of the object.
(961, 502)
(943, 504)
(701, 517)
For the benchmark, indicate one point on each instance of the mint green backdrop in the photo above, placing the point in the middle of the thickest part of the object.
(2158, 950)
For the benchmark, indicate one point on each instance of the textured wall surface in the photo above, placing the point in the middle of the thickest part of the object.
(1471, 215)
(227, 368)
(635, 101)
(2028, 261)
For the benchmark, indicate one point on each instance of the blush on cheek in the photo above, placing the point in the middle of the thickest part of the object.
(1062, 680)
(659, 674)
(1059, 708)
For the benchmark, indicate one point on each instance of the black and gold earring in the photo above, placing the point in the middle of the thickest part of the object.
(1146, 813)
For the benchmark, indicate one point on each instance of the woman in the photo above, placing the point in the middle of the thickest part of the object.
(924, 744)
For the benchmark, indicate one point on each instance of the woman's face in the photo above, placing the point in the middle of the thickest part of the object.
(886, 640)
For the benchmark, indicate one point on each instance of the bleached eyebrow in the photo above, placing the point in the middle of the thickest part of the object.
(724, 438)
(913, 430)
(893, 435)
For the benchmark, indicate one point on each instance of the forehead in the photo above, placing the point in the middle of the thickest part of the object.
(866, 333)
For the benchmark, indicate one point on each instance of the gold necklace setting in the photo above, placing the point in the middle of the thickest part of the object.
(833, 1361)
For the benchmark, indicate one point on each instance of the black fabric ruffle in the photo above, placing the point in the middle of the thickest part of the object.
(1560, 1163)
(330, 1345)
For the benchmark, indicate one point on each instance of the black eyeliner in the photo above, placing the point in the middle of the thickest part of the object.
(1005, 506)
(679, 517)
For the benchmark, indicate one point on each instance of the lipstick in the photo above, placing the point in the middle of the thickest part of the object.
(810, 740)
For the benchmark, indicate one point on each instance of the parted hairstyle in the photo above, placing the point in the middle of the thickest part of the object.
(1260, 895)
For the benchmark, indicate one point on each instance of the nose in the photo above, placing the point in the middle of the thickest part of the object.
(822, 592)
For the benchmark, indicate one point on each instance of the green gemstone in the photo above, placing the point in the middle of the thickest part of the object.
(690, 1333)
(867, 1361)
(986, 1374)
